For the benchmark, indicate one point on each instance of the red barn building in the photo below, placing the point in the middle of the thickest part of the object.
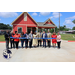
(25, 23)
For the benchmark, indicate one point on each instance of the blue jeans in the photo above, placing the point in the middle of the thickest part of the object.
(44, 43)
(22, 42)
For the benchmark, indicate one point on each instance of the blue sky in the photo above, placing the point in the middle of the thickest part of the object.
(66, 18)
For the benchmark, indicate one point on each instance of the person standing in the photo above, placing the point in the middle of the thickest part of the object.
(26, 40)
(49, 40)
(30, 39)
(35, 41)
(7, 36)
(22, 40)
(16, 40)
(11, 40)
(58, 40)
(39, 35)
(54, 41)
(44, 35)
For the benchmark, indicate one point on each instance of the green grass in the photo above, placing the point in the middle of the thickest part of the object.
(68, 37)
(2, 38)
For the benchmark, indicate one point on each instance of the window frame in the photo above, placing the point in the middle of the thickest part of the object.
(17, 29)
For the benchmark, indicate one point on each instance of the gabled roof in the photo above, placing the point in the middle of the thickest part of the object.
(21, 15)
(50, 20)
(46, 25)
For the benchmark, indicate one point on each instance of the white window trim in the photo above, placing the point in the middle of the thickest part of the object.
(19, 27)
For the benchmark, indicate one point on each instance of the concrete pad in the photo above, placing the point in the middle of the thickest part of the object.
(65, 54)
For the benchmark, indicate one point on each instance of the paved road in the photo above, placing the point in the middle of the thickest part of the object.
(65, 54)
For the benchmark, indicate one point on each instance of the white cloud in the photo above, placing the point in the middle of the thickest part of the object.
(0, 19)
(73, 17)
(51, 17)
(55, 15)
(69, 22)
(34, 14)
(8, 14)
(44, 13)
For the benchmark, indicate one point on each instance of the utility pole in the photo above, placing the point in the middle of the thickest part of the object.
(59, 21)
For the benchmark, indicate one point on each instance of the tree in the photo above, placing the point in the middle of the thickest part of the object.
(73, 21)
(5, 26)
(73, 28)
(64, 26)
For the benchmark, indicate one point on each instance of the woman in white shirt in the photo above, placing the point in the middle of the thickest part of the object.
(58, 40)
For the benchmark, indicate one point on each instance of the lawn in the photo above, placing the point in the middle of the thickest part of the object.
(2, 38)
(63, 37)
(68, 37)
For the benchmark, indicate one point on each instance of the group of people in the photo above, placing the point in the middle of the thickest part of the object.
(31, 39)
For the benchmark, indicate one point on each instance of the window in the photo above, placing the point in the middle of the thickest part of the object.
(19, 29)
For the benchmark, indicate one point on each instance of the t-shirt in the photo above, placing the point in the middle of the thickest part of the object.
(17, 36)
(58, 38)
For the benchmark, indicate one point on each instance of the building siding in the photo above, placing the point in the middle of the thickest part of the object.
(21, 20)
(15, 28)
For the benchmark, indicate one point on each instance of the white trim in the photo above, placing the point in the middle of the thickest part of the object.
(50, 20)
(19, 27)
(23, 24)
(29, 25)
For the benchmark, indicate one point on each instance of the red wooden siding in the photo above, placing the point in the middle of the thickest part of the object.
(20, 20)
(15, 28)
(24, 24)
(48, 22)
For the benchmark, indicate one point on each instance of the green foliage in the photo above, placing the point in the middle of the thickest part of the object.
(5, 26)
(73, 21)
(73, 28)
(63, 28)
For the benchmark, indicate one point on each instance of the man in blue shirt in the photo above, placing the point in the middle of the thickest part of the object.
(44, 35)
